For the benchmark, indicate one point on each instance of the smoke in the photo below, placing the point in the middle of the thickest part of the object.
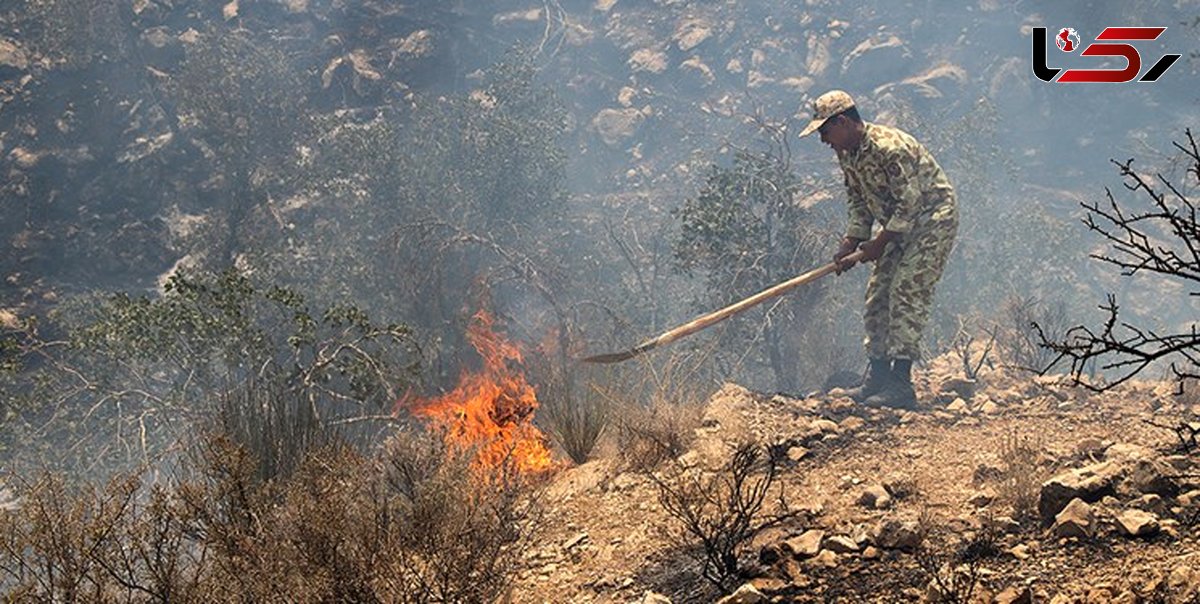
(654, 92)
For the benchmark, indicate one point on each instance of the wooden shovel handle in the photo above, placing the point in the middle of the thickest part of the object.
(720, 315)
(771, 292)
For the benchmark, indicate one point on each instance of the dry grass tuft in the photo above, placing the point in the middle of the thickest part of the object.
(1020, 481)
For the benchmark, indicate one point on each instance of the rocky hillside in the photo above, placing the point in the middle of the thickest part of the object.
(655, 86)
(1002, 489)
(103, 163)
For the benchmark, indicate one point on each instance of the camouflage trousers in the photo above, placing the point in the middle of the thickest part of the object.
(900, 290)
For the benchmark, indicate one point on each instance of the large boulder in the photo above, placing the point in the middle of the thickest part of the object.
(894, 534)
(877, 60)
(1016, 594)
(1137, 523)
(819, 57)
(616, 126)
(12, 55)
(651, 60)
(805, 545)
(746, 594)
(1078, 519)
(875, 497)
(691, 33)
(840, 544)
(1145, 471)
(1089, 483)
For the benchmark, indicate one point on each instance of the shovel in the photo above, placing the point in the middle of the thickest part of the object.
(713, 318)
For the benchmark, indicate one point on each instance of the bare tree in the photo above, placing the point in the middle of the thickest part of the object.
(1163, 239)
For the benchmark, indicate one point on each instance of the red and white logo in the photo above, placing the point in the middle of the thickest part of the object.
(1112, 42)
(1067, 39)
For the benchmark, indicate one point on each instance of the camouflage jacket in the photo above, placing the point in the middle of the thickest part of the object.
(893, 179)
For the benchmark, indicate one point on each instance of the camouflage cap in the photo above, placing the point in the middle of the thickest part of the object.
(826, 106)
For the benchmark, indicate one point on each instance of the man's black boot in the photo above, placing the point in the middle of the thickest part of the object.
(898, 392)
(878, 371)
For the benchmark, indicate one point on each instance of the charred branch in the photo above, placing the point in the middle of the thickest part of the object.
(1164, 240)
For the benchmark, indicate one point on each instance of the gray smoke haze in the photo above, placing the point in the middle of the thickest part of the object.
(329, 144)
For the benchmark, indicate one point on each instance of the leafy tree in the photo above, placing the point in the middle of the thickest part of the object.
(247, 106)
(745, 231)
(421, 210)
(129, 374)
(991, 255)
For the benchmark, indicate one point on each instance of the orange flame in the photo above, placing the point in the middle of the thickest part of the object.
(491, 410)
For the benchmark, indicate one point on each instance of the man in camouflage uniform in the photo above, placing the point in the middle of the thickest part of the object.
(893, 180)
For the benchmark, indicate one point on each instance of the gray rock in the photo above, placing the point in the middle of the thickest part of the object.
(625, 96)
(942, 79)
(893, 534)
(840, 544)
(959, 386)
(616, 126)
(692, 33)
(757, 79)
(697, 67)
(12, 55)
(877, 60)
(9, 502)
(1009, 82)
(825, 559)
(797, 84)
(805, 545)
(420, 43)
(1090, 483)
(746, 594)
(532, 15)
(1015, 594)
(1136, 523)
(1078, 519)
(1190, 498)
(648, 60)
(819, 57)
(157, 37)
(875, 497)
(654, 598)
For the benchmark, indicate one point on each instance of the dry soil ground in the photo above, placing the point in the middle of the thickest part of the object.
(947, 469)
